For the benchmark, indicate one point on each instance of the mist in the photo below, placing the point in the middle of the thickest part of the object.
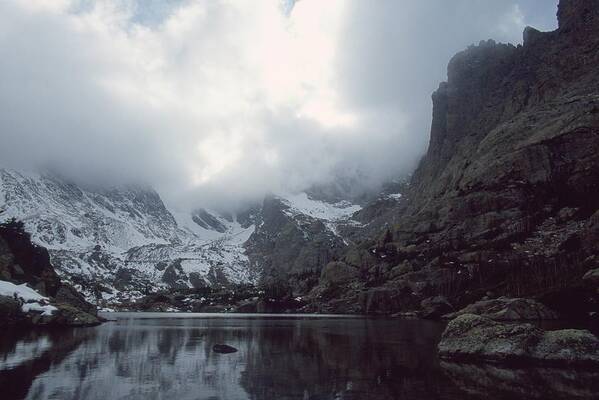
(215, 103)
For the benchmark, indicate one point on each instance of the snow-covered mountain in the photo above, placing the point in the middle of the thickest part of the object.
(119, 243)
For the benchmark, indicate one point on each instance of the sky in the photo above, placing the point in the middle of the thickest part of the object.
(216, 102)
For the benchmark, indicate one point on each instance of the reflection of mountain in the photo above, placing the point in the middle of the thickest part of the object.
(491, 381)
(27, 355)
(278, 359)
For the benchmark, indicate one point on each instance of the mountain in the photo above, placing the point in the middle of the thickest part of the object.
(506, 199)
(504, 203)
(120, 243)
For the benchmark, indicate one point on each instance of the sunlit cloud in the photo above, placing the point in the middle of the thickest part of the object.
(221, 101)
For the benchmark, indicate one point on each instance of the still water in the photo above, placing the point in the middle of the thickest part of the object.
(169, 356)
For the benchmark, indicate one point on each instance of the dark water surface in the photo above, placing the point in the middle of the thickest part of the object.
(165, 356)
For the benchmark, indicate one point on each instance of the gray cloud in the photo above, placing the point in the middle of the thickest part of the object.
(217, 102)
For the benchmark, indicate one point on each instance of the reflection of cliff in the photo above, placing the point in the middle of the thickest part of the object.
(344, 359)
(28, 355)
(492, 381)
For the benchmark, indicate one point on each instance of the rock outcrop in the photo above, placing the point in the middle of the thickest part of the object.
(293, 240)
(32, 292)
(506, 198)
(507, 309)
(471, 337)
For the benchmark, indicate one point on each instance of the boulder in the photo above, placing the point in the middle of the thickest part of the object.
(508, 309)
(435, 307)
(69, 315)
(474, 338)
(568, 345)
(224, 349)
(67, 294)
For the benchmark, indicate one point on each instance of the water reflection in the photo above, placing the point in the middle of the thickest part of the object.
(493, 381)
(278, 358)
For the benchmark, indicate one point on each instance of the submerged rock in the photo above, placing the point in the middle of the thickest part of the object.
(475, 338)
(508, 309)
(224, 349)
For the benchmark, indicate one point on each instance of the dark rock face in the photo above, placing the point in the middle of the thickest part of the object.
(507, 309)
(286, 246)
(10, 311)
(475, 338)
(21, 262)
(66, 294)
(505, 200)
(69, 315)
(338, 272)
(592, 277)
(435, 307)
(207, 221)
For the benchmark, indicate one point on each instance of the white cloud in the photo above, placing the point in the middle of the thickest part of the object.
(217, 101)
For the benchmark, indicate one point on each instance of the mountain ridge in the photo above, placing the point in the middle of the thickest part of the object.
(121, 243)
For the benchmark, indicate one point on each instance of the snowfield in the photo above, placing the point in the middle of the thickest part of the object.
(302, 204)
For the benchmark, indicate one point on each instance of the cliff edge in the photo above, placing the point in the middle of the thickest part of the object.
(506, 199)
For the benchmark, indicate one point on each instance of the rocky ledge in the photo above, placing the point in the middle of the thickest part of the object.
(508, 309)
(44, 312)
(474, 338)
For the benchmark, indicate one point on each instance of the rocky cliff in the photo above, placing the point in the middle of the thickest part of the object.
(505, 202)
(31, 293)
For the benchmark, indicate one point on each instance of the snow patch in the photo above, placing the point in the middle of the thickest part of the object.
(394, 196)
(30, 298)
(301, 203)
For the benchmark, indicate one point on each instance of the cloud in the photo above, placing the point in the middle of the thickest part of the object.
(218, 102)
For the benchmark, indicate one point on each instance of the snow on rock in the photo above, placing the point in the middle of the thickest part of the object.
(32, 300)
(394, 196)
(302, 204)
(332, 214)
